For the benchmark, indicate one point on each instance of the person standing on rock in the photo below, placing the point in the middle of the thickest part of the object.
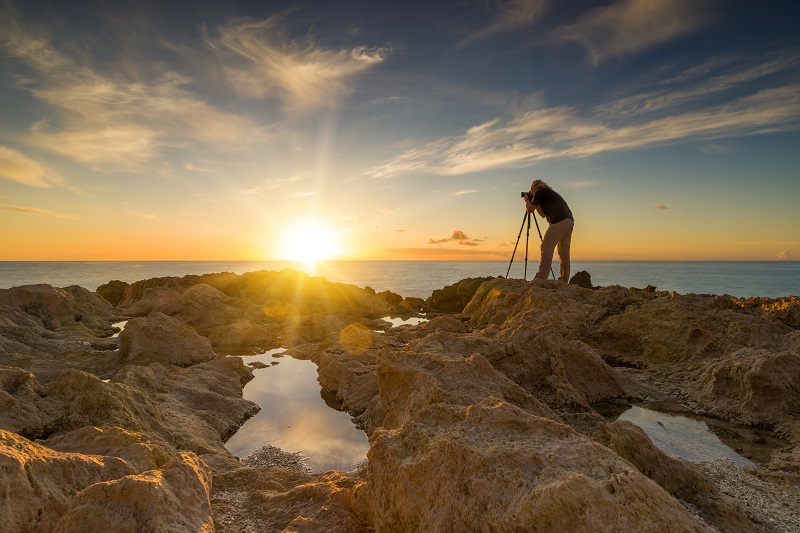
(550, 205)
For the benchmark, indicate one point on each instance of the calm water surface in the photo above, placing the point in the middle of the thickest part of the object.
(295, 417)
(420, 278)
(683, 437)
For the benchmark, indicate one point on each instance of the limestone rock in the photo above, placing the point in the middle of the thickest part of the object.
(175, 499)
(140, 451)
(113, 291)
(582, 279)
(492, 466)
(453, 298)
(677, 477)
(37, 484)
(164, 339)
(243, 337)
(753, 386)
(56, 308)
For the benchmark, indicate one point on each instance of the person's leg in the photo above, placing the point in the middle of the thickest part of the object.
(563, 251)
(549, 241)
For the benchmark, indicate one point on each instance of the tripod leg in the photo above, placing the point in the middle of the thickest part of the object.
(527, 234)
(515, 246)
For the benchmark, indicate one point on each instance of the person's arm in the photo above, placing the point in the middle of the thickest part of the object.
(531, 208)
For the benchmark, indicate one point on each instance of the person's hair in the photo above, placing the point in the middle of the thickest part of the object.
(540, 184)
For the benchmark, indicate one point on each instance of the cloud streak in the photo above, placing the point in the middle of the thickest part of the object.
(510, 15)
(628, 26)
(37, 211)
(561, 132)
(22, 169)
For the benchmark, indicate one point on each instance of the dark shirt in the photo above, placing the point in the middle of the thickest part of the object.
(553, 206)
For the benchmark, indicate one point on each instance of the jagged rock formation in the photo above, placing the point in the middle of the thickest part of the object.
(482, 418)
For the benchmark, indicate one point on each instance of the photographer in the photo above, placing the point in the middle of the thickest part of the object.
(550, 205)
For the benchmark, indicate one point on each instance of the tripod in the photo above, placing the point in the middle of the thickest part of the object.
(527, 217)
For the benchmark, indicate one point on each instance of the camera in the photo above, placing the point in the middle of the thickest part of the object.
(527, 195)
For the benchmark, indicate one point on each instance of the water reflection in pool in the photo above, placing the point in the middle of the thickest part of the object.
(295, 417)
(682, 437)
(120, 325)
(411, 321)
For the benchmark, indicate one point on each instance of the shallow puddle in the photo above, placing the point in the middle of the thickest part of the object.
(296, 417)
(681, 436)
(412, 321)
(120, 325)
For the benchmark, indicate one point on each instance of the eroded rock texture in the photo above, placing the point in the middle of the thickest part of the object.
(482, 419)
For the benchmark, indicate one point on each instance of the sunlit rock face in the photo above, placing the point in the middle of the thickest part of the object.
(482, 418)
(164, 339)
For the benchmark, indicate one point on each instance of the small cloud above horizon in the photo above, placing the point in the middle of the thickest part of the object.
(37, 211)
(468, 191)
(785, 255)
(661, 206)
(458, 236)
(146, 216)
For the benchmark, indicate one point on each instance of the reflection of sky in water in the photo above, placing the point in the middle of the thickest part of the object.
(295, 418)
(120, 325)
(413, 321)
(682, 437)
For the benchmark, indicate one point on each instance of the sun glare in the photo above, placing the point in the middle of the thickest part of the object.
(308, 242)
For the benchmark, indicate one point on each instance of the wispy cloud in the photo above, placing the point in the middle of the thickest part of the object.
(108, 118)
(263, 61)
(629, 26)
(22, 169)
(714, 82)
(509, 15)
(146, 216)
(37, 211)
(556, 132)
(462, 193)
(660, 206)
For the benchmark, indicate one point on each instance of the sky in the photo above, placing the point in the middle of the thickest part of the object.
(371, 130)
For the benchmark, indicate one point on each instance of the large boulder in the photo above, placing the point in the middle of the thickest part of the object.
(464, 448)
(56, 308)
(175, 499)
(453, 298)
(37, 484)
(113, 291)
(164, 339)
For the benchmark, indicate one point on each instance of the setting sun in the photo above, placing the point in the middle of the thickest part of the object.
(308, 242)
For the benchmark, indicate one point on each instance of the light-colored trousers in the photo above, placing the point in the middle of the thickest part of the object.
(560, 235)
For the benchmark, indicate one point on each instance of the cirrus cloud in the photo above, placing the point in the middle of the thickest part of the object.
(18, 167)
(628, 26)
(37, 211)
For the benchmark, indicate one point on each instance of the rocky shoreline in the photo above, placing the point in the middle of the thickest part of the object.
(485, 417)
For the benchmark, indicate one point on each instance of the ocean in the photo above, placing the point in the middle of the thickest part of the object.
(420, 278)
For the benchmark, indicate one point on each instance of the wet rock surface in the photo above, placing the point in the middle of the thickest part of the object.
(482, 418)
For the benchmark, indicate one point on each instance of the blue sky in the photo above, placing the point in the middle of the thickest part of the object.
(387, 130)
